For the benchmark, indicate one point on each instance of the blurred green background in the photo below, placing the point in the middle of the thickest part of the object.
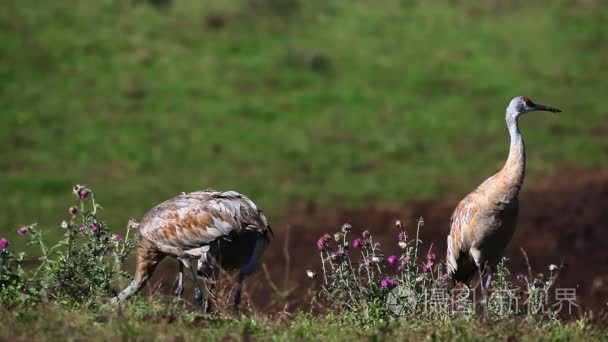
(337, 102)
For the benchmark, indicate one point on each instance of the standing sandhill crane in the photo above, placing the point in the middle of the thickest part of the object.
(204, 230)
(484, 221)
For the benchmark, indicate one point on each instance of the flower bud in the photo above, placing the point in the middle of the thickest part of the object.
(346, 228)
(337, 237)
(73, 210)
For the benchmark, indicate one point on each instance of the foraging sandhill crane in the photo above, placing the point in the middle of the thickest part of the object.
(484, 221)
(204, 230)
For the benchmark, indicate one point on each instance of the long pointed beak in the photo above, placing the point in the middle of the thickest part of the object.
(546, 108)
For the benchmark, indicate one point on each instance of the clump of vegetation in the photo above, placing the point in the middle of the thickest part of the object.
(150, 319)
(78, 270)
(360, 280)
(361, 284)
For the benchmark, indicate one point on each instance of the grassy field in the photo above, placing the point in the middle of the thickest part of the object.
(146, 321)
(340, 102)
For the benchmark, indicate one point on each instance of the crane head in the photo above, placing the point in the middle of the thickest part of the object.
(523, 104)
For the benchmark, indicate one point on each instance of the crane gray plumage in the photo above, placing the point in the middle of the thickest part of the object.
(484, 221)
(204, 230)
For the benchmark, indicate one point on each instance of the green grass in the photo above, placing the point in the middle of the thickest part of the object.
(340, 103)
(148, 321)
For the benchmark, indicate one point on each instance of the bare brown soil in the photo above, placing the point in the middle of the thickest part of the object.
(563, 220)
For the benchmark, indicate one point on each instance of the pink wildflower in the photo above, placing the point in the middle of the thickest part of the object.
(431, 257)
(387, 283)
(392, 260)
(4, 243)
(402, 236)
(323, 241)
(83, 193)
(357, 243)
(22, 231)
(116, 237)
(427, 267)
(339, 254)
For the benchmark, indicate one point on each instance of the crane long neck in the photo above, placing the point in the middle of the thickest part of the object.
(515, 167)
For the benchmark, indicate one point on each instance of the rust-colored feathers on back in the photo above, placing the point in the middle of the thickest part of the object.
(195, 219)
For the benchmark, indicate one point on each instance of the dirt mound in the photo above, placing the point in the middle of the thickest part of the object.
(563, 219)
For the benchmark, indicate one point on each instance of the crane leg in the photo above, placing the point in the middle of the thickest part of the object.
(179, 291)
(484, 293)
(210, 282)
(209, 269)
(237, 293)
(198, 292)
(489, 270)
(146, 260)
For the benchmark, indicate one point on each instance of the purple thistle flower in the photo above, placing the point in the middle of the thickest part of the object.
(116, 237)
(431, 257)
(4, 244)
(400, 268)
(323, 241)
(387, 283)
(94, 228)
(339, 254)
(402, 236)
(427, 267)
(357, 243)
(22, 231)
(391, 260)
(334, 256)
(83, 193)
